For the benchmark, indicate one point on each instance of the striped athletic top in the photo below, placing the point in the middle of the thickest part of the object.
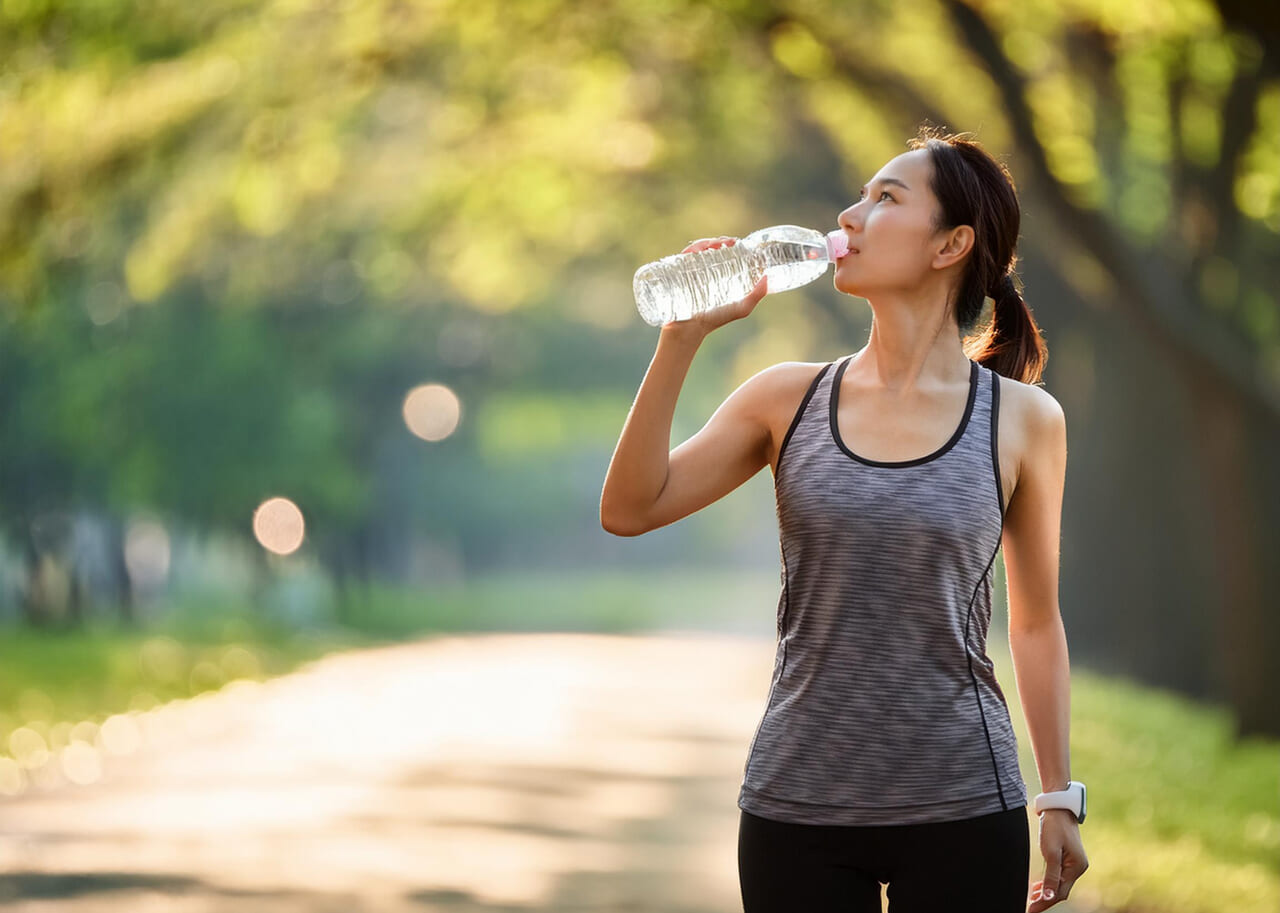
(884, 706)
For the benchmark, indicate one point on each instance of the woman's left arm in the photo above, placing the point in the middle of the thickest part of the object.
(1037, 640)
(1032, 528)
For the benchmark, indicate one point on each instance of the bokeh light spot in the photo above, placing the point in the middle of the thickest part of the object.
(12, 777)
(28, 747)
(120, 735)
(278, 525)
(432, 411)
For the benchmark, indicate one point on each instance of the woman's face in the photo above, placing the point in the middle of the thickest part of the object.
(891, 230)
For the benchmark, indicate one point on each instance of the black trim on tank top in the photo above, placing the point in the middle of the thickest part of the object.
(795, 421)
(977, 693)
(995, 440)
(900, 464)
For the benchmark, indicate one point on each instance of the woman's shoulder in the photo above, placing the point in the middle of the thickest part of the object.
(1031, 402)
(777, 391)
(1031, 419)
(787, 381)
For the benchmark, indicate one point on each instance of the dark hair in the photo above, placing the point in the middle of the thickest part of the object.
(976, 190)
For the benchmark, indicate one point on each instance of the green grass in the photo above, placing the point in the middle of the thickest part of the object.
(55, 676)
(1182, 819)
(609, 601)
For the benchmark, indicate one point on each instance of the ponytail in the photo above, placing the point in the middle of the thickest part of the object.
(1011, 344)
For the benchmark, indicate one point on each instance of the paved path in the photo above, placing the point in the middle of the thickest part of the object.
(467, 774)
(471, 773)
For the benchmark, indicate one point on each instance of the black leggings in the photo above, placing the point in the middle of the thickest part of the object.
(981, 864)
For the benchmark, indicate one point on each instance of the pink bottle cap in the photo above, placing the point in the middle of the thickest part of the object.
(837, 244)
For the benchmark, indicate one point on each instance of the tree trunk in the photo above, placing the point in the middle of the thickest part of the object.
(35, 609)
(1244, 650)
(75, 594)
(122, 583)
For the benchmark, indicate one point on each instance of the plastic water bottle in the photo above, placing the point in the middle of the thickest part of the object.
(682, 285)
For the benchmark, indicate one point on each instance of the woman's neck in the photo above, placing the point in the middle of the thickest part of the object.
(912, 350)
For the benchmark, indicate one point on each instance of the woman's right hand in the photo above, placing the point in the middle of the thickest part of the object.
(725, 313)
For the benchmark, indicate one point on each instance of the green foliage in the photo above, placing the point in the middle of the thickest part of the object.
(243, 132)
(234, 234)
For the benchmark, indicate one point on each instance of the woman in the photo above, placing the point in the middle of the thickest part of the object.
(885, 753)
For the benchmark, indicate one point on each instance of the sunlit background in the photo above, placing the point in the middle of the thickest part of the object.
(316, 337)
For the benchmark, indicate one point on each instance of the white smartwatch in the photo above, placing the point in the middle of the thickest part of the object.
(1073, 799)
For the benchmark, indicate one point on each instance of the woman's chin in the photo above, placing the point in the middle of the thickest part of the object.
(842, 284)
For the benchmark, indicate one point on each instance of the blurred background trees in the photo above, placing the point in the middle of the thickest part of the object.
(234, 236)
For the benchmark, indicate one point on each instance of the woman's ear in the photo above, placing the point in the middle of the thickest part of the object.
(955, 244)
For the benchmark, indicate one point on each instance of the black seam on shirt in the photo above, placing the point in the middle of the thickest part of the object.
(977, 693)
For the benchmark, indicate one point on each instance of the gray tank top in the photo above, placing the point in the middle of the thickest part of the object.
(884, 706)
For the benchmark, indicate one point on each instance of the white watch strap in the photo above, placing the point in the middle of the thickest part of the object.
(1069, 798)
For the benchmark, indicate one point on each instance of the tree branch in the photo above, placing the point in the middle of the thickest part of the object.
(1239, 121)
(1153, 297)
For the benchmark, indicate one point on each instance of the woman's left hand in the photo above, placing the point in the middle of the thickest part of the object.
(1064, 858)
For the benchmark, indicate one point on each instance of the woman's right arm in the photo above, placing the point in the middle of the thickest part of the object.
(646, 487)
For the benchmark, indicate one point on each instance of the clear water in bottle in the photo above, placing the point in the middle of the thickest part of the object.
(682, 285)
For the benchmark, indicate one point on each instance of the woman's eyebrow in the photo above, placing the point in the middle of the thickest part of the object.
(888, 181)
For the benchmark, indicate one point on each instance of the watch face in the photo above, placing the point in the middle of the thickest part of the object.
(1084, 802)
